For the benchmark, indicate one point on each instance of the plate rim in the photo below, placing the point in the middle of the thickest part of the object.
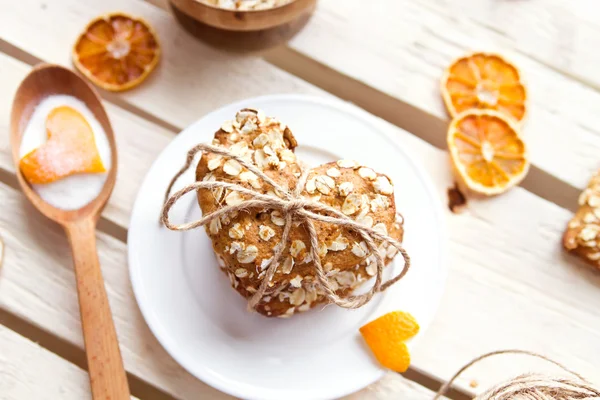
(340, 105)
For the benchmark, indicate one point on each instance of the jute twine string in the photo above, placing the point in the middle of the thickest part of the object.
(292, 207)
(532, 386)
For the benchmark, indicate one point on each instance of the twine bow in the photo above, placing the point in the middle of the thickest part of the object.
(532, 386)
(293, 207)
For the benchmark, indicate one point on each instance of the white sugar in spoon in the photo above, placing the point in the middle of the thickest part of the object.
(107, 375)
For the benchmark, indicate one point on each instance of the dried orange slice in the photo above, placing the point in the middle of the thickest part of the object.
(70, 149)
(484, 81)
(386, 336)
(116, 52)
(487, 152)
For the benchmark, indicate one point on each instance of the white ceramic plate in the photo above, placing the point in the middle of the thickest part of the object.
(203, 323)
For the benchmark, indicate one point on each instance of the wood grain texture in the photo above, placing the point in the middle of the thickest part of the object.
(404, 54)
(43, 80)
(38, 248)
(508, 282)
(136, 151)
(106, 371)
(219, 77)
(28, 371)
(136, 154)
(392, 387)
(105, 364)
(38, 256)
(556, 33)
(406, 65)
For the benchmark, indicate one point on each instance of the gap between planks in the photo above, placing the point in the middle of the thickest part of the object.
(77, 356)
(73, 354)
(441, 117)
(423, 125)
(104, 225)
(397, 112)
(412, 119)
(23, 56)
(433, 384)
(403, 115)
(426, 126)
(139, 388)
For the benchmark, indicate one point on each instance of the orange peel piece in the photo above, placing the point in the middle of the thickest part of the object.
(487, 152)
(484, 81)
(70, 149)
(116, 51)
(386, 337)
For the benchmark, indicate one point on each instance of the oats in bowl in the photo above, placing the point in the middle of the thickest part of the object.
(247, 5)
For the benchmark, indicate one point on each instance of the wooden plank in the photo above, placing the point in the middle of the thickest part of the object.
(405, 65)
(392, 387)
(428, 35)
(136, 152)
(508, 283)
(480, 288)
(486, 281)
(38, 285)
(219, 77)
(28, 371)
(404, 54)
(557, 33)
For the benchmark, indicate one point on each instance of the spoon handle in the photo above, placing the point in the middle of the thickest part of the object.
(105, 365)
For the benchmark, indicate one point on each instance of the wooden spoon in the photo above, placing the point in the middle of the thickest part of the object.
(107, 375)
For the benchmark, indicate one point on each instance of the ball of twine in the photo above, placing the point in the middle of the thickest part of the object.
(532, 386)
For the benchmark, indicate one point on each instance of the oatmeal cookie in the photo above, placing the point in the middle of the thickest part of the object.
(244, 243)
(582, 236)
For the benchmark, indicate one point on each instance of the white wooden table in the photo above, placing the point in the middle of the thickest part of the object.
(509, 284)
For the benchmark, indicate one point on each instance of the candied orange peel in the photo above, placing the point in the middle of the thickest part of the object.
(386, 337)
(70, 149)
(484, 81)
(116, 51)
(487, 152)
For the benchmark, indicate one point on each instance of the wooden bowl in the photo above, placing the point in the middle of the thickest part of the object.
(254, 20)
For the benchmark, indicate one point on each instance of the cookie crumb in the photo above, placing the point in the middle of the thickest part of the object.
(473, 383)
